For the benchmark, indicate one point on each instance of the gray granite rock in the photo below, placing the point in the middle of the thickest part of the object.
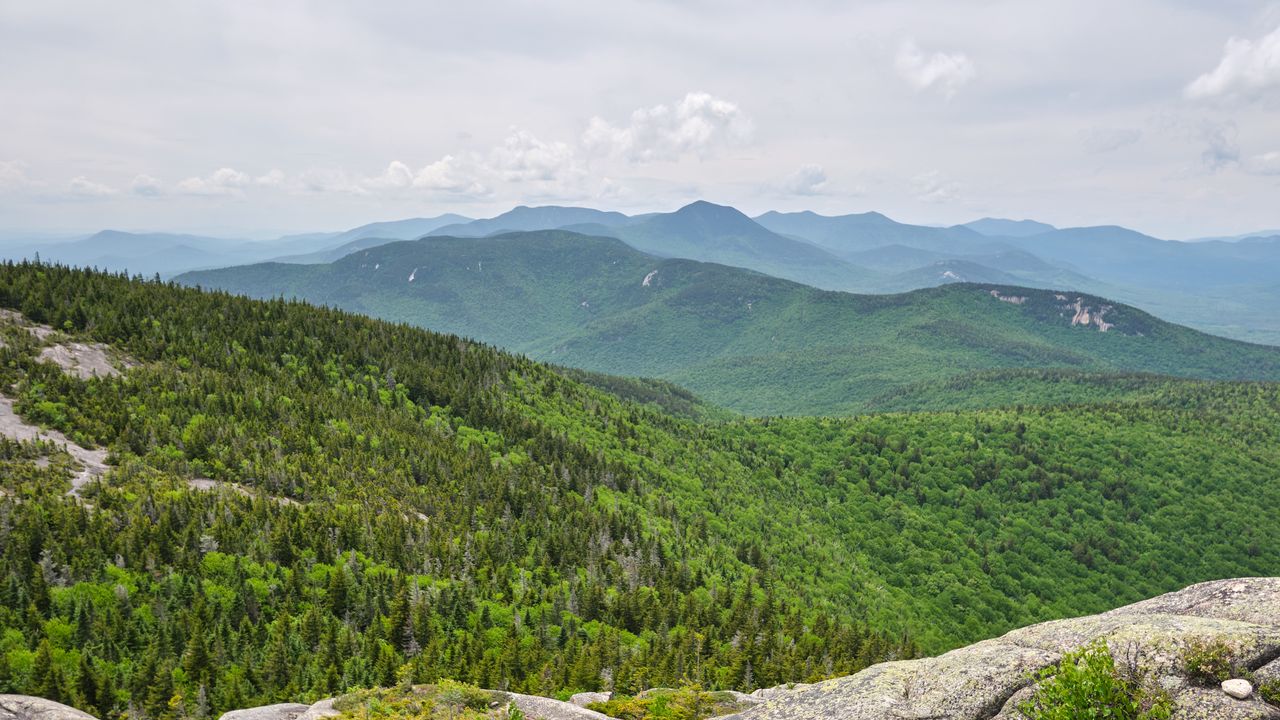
(777, 691)
(26, 707)
(540, 708)
(285, 711)
(989, 679)
(1238, 688)
(280, 711)
(584, 699)
(1268, 673)
(319, 710)
(1196, 703)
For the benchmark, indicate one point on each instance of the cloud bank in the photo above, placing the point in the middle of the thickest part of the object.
(1247, 70)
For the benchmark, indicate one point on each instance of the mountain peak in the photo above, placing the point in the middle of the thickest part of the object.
(1003, 227)
(705, 206)
(707, 218)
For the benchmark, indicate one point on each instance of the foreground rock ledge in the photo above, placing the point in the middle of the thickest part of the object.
(986, 681)
(25, 707)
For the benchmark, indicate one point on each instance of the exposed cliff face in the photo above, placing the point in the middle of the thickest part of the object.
(988, 680)
(1074, 309)
(1088, 315)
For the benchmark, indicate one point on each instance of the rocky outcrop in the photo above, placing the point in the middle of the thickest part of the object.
(533, 707)
(584, 699)
(284, 711)
(1086, 315)
(93, 463)
(25, 707)
(82, 360)
(540, 708)
(988, 680)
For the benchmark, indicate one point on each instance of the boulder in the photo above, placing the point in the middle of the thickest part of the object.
(27, 707)
(584, 699)
(279, 711)
(540, 708)
(285, 711)
(1237, 688)
(989, 679)
(319, 710)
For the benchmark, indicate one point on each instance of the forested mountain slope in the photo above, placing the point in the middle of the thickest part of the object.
(300, 500)
(304, 500)
(748, 341)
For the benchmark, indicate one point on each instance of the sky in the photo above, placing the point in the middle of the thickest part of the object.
(255, 119)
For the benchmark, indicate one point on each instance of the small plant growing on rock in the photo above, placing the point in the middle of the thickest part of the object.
(1087, 684)
(445, 700)
(688, 703)
(1209, 662)
(1269, 690)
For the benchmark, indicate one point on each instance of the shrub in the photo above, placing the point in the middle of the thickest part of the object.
(1269, 690)
(445, 700)
(1087, 684)
(1208, 662)
(688, 703)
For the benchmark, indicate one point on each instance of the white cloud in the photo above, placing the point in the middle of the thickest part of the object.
(13, 175)
(223, 181)
(698, 125)
(451, 175)
(84, 187)
(809, 179)
(523, 157)
(396, 176)
(947, 72)
(1104, 140)
(1247, 69)
(146, 186)
(933, 187)
(327, 180)
(520, 158)
(1264, 164)
(272, 178)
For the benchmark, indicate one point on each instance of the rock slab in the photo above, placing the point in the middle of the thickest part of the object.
(26, 707)
(988, 680)
(284, 711)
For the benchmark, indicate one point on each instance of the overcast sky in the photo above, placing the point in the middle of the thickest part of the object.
(263, 117)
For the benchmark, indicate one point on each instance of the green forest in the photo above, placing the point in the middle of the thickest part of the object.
(757, 344)
(303, 501)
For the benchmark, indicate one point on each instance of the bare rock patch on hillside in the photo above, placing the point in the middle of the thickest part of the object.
(93, 463)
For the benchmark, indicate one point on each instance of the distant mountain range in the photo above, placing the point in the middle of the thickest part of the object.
(743, 339)
(167, 254)
(1229, 287)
